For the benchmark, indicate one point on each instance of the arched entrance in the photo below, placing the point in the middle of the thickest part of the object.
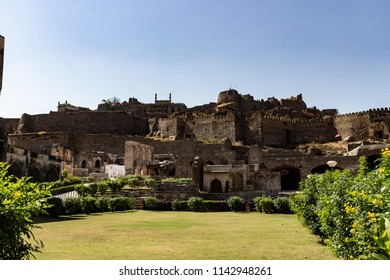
(35, 174)
(289, 177)
(321, 169)
(52, 175)
(216, 186)
(15, 169)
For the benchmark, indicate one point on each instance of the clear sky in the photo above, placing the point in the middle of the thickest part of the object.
(335, 52)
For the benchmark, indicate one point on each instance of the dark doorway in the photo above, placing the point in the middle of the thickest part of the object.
(15, 169)
(52, 175)
(289, 178)
(373, 161)
(35, 174)
(216, 186)
(288, 137)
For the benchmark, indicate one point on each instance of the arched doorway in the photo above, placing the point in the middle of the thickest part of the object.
(15, 169)
(216, 186)
(289, 177)
(35, 174)
(52, 175)
(321, 169)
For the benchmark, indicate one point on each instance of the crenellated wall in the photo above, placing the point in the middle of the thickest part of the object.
(364, 125)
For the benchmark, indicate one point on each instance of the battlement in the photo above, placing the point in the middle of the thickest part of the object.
(295, 120)
(367, 112)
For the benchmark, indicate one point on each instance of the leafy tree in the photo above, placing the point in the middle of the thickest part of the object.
(19, 201)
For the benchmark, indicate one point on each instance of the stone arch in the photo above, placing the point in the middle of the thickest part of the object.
(321, 169)
(52, 174)
(35, 174)
(209, 162)
(16, 170)
(216, 186)
(97, 163)
(84, 164)
(289, 177)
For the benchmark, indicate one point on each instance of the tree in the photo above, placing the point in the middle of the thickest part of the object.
(20, 200)
(110, 102)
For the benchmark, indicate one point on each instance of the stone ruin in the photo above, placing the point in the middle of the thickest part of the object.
(234, 146)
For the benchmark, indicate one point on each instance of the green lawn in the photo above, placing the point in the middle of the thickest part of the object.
(149, 235)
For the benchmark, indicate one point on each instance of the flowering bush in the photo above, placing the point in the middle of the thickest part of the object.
(19, 201)
(346, 209)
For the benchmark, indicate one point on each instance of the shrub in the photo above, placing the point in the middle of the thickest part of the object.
(133, 182)
(88, 204)
(55, 206)
(101, 203)
(264, 204)
(176, 180)
(114, 185)
(180, 205)
(305, 204)
(283, 205)
(346, 209)
(19, 201)
(72, 205)
(150, 202)
(121, 203)
(164, 206)
(61, 190)
(94, 188)
(149, 182)
(381, 236)
(195, 204)
(102, 187)
(236, 203)
(215, 206)
(83, 189)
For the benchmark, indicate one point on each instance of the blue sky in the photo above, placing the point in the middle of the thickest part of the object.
(336, 53)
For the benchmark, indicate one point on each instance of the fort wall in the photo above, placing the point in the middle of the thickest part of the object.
(361, 125)
(87, 122)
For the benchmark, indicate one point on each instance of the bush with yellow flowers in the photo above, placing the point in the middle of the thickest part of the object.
(20, 200)
(345, 209)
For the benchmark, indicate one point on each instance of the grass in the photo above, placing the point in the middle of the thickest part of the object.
(150, 235)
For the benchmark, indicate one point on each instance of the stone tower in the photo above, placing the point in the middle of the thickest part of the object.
(1, 60)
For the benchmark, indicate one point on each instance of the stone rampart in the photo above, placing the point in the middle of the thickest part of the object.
(86, 122)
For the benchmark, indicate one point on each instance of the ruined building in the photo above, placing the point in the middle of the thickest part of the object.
(236, 145)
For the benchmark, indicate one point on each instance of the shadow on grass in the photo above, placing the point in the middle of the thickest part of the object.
(47, 219)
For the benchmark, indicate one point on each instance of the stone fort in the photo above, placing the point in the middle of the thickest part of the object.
(234, 146)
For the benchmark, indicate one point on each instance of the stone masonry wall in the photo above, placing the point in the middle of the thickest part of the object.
(87, 122)
(354, 125)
